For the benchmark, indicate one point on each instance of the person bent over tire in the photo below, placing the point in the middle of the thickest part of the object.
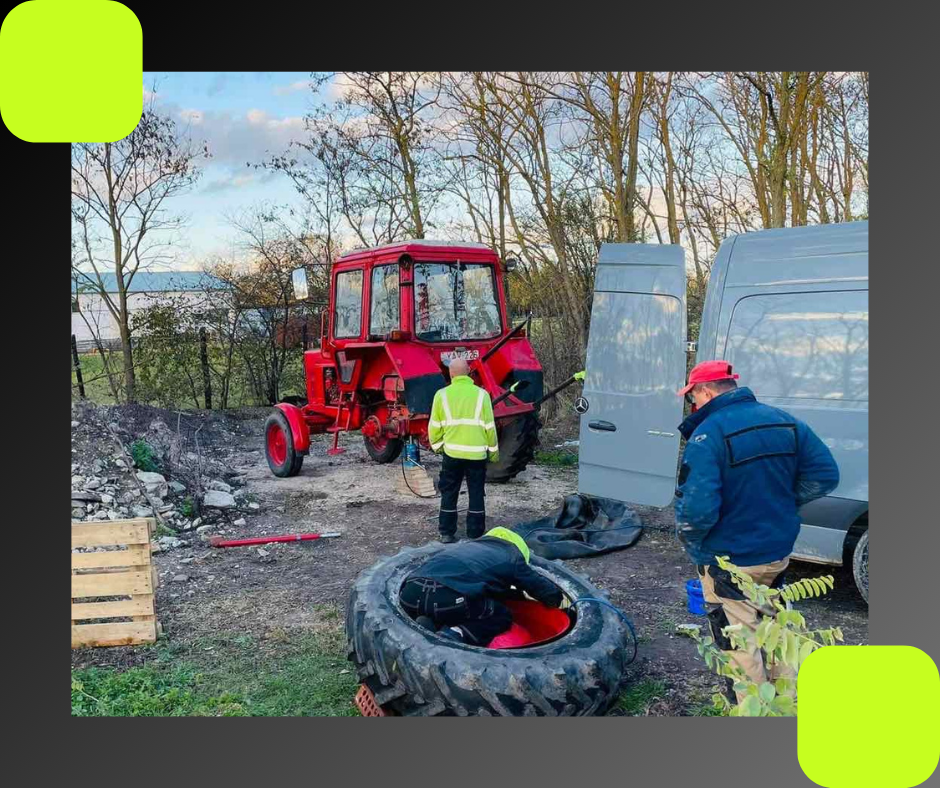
(458, 592)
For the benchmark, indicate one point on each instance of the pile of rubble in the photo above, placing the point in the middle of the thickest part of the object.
(107, 486)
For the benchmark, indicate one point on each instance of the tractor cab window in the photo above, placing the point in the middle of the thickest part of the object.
(383, 316)
(347, 320)
(455, 301)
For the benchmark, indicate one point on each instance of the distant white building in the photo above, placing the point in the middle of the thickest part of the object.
(91, 316)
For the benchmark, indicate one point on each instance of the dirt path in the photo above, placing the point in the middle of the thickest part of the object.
(278, 589)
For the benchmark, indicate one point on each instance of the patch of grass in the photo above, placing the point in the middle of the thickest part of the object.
(636, 699)
(557, 458)
(149, 692)
(327, 612)
(301, 678)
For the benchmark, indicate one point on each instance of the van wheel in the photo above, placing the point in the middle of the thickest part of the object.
(860, 566)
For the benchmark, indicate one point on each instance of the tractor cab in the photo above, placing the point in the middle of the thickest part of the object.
(425, 291)
(397, 314)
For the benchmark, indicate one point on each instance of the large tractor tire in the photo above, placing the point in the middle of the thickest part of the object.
(860, 565)
(518, 440)
(283, 459)
(412, 671)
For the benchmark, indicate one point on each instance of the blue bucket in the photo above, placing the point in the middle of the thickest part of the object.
(693, 589)
(412, 458)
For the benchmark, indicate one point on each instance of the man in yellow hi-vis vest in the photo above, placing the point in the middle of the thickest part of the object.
(462, 428)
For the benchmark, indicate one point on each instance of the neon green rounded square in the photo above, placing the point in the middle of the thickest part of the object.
(71, 71)
(868, 716)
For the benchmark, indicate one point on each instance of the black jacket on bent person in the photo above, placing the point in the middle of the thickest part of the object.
(487, 567)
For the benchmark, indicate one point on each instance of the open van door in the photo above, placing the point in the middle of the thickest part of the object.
(636, 362)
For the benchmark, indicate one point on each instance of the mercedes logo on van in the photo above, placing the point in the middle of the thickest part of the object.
(581, 405)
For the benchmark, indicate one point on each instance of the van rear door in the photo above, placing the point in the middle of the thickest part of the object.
(636, 362)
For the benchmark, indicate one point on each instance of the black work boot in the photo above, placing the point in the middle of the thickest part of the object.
(448, 538)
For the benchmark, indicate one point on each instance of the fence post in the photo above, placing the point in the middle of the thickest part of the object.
(204, 355)
(76, 364)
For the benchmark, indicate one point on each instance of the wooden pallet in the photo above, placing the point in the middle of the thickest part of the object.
(121, 580)
(419, 483)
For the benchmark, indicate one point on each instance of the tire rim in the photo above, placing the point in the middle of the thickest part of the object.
(378, 441)
(277, 444)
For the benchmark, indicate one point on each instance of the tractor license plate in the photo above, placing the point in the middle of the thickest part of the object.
(467, 355)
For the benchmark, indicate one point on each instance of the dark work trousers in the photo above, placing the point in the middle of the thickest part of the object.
(480, 618)
(452, 474)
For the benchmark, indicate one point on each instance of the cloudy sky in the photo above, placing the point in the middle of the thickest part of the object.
(245, 117)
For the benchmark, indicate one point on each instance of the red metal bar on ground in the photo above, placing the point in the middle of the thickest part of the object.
(217, 541)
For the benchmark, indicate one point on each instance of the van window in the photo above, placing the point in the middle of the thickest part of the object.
(347, 322)
(802, 345)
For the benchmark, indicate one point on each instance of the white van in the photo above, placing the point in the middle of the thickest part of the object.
(789, 309)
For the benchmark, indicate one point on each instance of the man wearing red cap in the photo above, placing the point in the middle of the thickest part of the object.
(746, 471)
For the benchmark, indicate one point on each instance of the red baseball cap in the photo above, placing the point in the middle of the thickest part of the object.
(706, 372)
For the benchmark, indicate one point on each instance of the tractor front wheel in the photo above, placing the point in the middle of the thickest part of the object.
(283, 459)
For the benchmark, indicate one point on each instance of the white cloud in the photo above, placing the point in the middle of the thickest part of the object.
(256, 116)
(191, 116)
(232, 181)
(337, 87)
(239, 138)
(293, 87)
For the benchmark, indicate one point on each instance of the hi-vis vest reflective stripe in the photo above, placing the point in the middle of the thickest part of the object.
(462, 422)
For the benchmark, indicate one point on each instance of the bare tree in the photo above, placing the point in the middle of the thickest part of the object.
(263, 295)
(763, 114)
(379, 134)
(120, 192)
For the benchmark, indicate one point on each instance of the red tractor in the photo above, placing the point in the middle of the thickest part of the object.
(395, 314)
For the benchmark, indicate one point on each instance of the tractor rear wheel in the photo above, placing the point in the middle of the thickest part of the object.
(283, 458)
(518, 440)
(382, 449)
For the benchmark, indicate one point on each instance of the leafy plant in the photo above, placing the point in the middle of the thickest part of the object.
(783, 637)
(187, 507)
(144, 456)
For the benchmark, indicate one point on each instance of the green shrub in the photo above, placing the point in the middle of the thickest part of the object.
(144, 456)
(783, 637)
